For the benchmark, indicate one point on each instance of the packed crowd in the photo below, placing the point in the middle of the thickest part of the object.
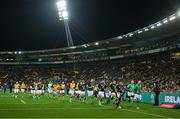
(162, 71)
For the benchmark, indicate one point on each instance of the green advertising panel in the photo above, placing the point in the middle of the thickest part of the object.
(147, 97)
(169, 98)
(163, 98)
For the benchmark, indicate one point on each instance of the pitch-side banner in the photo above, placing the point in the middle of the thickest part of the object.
(163, 98)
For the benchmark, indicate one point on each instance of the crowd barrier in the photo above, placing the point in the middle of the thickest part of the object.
(163, 98)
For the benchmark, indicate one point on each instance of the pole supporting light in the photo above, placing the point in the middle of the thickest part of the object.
(63, 16)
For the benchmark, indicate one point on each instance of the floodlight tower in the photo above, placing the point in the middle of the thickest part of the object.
(63, 16)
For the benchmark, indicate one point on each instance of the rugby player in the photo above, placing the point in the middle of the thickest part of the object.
(23, 87)
(130, 93)
(50, 87)
(119, 94)
(71, 90)
(137, 96)
(62, 88)
(16, 89)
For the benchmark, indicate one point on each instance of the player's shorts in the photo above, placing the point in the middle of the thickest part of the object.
(113, 94)
(50, 90)
(137, 96)
(107, 94)
(22, 90)
(16, 90)
(43, 91)
(101, 94)
(36, 91)
(90, 93)
(130, 94)
(118, 95)
(77, 92)
(39, 92)
(71, 92)
(55, 92)
(32, 91)
(82, 93)
(61, 91)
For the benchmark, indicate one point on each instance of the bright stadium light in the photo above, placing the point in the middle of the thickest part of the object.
(159, 24)
(85, 46)
(152, 27)
(62, 10)
(139, 32)
(131, 34)
(65, 14)
(172, 18)
(61, 4)
(97, 43)
(165, 21)
(19, 52)
(120, 37)
(146, 29)
(73, 47)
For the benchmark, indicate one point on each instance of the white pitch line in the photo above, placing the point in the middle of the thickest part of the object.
(23, 101)
(26, 103)
(147, 114)
(144, 113)
(54, 109)
(160, 116)
(82, 118)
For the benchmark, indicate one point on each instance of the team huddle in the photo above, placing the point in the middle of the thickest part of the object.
(114, 90)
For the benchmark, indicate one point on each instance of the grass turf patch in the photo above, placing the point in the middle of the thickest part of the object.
(60, 107)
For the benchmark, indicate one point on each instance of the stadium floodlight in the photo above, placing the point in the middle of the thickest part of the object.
(165, 21)
(61, 4)
(131, 35)
(97, 43)
(139, 32)
(73, 47)
(120, 37)
(62, 10)
(85, 46)
(146, 29)
(172, 18)
(152, 27)
(125, 36)
(159, 24)
(19, 52)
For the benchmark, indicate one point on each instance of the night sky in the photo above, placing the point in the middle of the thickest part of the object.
(34, 24)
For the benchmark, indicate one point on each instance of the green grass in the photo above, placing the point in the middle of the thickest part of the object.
(60, 107)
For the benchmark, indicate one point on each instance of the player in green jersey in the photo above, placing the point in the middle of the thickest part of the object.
(137, 95)
(131, 89)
